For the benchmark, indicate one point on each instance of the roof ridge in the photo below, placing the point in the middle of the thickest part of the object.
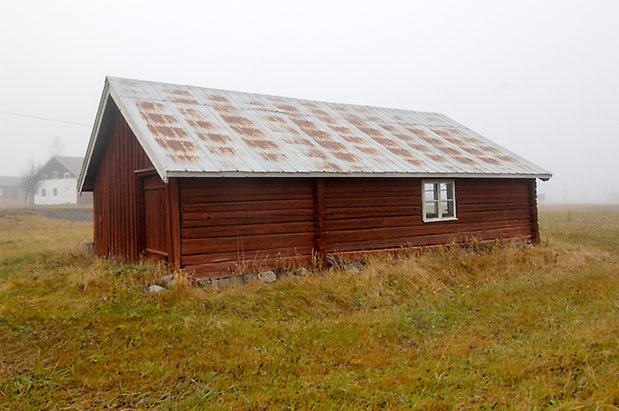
(261, 94)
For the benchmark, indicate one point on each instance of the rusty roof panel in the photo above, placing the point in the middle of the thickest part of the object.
(199, 131)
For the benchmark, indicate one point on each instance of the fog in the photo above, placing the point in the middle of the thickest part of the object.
(540, 78)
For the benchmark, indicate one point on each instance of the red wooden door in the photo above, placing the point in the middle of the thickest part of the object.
(154, 227)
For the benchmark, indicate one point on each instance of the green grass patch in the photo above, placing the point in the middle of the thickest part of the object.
(481, 326)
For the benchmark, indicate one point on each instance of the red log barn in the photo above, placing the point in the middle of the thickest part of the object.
(213, 180)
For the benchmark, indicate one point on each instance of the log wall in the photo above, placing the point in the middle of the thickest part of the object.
(373, 214)
(244, 223)
(115, 200)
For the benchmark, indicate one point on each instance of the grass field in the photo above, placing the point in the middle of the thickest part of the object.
(493, 326)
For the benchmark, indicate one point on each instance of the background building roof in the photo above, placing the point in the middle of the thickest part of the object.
(9, 181)
(73, 164)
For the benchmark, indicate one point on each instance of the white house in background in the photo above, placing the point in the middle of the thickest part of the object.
(58, 182)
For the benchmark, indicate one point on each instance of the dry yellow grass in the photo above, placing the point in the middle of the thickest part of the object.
(481, 326)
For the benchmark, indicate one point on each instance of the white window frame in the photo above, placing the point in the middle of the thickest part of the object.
(55, 175)
(43, 192)
(439, 201)
(67, 175)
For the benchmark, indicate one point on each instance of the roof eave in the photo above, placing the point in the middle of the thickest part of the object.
(107, 95)
(142, 139)
(245, 174)
(93, 137)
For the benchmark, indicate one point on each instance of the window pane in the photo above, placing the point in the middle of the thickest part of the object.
(430, 192)
(447, 191)
(450, 191)
(432, 210)
(447, 209)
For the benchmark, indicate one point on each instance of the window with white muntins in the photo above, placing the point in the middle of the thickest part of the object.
(439, 200)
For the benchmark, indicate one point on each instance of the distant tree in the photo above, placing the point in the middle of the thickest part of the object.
(56, 148)
(30, 181)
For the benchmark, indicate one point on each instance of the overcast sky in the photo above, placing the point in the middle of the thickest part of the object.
(540, 78)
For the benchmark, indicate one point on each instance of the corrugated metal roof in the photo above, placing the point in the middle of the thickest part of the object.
(193, 131)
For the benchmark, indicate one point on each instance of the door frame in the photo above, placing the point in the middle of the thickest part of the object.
(143, 251)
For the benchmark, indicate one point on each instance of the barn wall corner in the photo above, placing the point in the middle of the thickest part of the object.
(174, 224)
(535, 238)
